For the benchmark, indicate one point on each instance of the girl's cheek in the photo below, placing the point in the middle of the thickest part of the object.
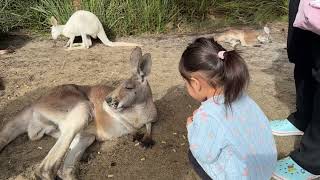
(189, 91)
(192, 93)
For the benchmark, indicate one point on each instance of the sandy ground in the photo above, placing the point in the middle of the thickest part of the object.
(37, 65)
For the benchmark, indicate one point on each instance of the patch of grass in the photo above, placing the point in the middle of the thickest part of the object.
(252, 11)
(60, 9)
(128, 17)
(14, 14)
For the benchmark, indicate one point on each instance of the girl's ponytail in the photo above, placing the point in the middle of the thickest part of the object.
(235, 76)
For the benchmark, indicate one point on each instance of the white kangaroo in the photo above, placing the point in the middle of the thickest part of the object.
(84, 24)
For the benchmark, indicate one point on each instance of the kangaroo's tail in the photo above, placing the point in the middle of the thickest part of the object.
(15, 127)
(118, 44)
(103, 37)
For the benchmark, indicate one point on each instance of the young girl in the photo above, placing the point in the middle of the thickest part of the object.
(229, 135)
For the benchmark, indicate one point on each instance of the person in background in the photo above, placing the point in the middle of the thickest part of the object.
(304, 51)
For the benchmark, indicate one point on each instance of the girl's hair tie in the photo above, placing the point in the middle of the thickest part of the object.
(221, 54)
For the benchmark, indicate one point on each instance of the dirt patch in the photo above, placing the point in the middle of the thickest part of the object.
(37, 65)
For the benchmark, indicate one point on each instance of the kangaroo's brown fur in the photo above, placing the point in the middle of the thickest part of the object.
(245, 37)
(78, 115)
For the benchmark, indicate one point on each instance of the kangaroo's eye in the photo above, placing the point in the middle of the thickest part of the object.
(129, 86)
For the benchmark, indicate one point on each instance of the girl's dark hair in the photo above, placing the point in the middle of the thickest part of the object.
(230, 73)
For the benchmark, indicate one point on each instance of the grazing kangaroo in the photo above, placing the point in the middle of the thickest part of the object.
(84, 24)
(245, 37)
(79, 115)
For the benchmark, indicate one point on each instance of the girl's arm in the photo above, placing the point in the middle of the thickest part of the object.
(206, 137)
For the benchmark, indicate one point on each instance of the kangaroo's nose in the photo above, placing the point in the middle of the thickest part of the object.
(108, 100)
(116, 103)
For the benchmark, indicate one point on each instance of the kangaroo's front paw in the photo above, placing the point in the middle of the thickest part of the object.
(147, 142)
(137, 137)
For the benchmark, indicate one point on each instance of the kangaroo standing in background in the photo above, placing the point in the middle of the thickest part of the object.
(245, 37)
(78, 115)
(84, 24)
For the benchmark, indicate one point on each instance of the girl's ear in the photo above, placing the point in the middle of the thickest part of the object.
(195, 84)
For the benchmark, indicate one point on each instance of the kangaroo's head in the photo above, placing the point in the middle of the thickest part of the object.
(265, 37)
(55, 28)
(136, 89)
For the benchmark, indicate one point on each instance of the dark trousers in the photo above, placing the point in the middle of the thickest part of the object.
(196, 166)
(304, 52)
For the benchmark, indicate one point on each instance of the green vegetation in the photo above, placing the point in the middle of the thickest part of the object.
(128, 17)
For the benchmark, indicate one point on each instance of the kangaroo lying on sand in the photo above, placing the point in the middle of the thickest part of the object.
(79, 115)
(84, 24)
(245, 37)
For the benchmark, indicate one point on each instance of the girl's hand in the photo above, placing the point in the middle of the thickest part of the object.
(189, 120)
(195, 111)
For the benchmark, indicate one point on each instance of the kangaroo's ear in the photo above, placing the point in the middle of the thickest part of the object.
(53, 21)
(145, 65)
(266, 30)
(135, 58)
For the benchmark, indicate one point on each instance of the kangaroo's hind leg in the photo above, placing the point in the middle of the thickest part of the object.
(89, 40)
(15, 127)
(39, 126)
(78, 146)
(85, 41)
(75, 121)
